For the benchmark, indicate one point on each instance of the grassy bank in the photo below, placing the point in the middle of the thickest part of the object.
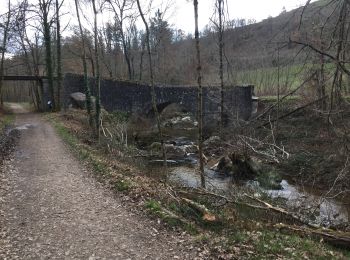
(267, 79)
(5, 120)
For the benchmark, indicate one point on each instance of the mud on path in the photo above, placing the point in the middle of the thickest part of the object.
(52, 209)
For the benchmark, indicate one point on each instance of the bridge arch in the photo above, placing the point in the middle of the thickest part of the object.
(163, 106)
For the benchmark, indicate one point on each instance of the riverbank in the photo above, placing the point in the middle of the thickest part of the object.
(236, 231)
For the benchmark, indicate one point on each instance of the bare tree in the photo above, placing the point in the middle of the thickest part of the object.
(331, 45)
(44, 10)
(59, 56)
(32, 52)
(200, 96)
(86, 81)
(3, 49)
(221, 67)
(120, 7)
(98, 77)
(153, 92)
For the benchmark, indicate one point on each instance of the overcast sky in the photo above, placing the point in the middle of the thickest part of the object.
(180, 14)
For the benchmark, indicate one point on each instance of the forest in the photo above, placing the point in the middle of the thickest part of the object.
(234, 138)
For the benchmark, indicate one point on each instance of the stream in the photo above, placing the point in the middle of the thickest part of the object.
(318, 210)
(182, 155)
(305, 202)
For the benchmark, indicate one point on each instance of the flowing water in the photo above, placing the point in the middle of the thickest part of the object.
(307, 202)
(319, 210)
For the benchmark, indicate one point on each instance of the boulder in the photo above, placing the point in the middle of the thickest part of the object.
(174, 151)
(156, 147)
(212, 140)
(183, 121)
(191, 148)
(78, 100)
(186, 119)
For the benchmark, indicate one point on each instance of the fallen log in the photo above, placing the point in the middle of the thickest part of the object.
(267, 206)
(206, 214)
(281, 211)
(334, 238)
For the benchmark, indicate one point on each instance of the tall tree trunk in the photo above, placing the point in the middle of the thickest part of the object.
(321, 88)
(98, 77)
(200, 96)
(278, 87)
(141, 59)
(45, 7)
(86, 81)
(4, 44)
(59, 57)
(126, 54)
(153, 92)
(221, 69)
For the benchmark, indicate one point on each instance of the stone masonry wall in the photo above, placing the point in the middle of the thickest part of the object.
(133, 97)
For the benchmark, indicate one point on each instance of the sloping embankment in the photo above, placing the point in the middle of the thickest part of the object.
(8, 136)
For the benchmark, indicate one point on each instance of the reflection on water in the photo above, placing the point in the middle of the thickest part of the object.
(317, 209)
(189, 177)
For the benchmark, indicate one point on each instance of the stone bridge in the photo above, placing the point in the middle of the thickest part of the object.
(133, 97)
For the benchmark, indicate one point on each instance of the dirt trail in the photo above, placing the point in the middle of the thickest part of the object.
(51, 209)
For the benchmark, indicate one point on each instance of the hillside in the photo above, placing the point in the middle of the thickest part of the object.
(255, 46)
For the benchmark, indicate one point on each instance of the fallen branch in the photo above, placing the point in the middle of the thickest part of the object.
(335, 238)
(284, 97)
(330, 236)
(272, 156)
(267, 206)
(281, 149)
(192, 193)
(206, 214)
(281, 211)
(294, 111)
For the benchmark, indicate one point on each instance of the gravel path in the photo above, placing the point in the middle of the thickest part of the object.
(51, 209)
